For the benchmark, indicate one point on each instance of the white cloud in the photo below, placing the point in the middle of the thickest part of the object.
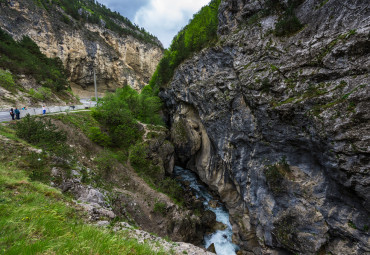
(164, 18)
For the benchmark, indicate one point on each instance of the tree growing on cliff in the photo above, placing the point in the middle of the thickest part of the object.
(198, 34)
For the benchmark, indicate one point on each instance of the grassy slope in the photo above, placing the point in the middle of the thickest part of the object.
(37, 219)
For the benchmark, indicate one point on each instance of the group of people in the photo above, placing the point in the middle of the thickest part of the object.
(15, 113)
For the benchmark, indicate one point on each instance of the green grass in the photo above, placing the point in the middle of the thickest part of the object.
(36, 220)
(81, 120)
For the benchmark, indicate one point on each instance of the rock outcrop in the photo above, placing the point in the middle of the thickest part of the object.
(279, 126)
(118, 60)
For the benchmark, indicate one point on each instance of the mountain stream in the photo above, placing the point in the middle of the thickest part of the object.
(221, 238)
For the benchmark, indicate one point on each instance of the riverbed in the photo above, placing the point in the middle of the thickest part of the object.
(221, 238)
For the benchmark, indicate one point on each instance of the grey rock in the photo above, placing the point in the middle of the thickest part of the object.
(260, 102)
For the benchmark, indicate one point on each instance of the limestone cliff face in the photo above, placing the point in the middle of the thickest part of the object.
(279, 126)
(118, 60)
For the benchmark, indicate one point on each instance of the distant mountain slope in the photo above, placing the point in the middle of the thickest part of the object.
(84, 34)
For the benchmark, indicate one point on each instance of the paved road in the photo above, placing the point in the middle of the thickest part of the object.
(5, 116)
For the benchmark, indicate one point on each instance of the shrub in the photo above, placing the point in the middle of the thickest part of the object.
(104, 164)
(275, 176)
(120, 111)
(6, 80)
(38, 132)
(45, 135)
(36, 95)
(37, 166)
(138, 157)
(173, 189)
(160, 207)
(287, 25)
(99, 137)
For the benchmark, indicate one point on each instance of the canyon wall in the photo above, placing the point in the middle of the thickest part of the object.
(279, 125)
(118, 60)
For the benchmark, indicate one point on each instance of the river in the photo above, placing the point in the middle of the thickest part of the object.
(221, 238)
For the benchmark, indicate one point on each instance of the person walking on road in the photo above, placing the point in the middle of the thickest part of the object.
(43, 110)
(11, 113)
(17, 113)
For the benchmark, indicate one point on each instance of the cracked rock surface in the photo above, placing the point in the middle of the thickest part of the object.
(279, 126)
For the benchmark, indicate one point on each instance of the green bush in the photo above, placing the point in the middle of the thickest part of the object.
(104, 164)
(276, 175)
(36, 165)
(6, 80)
(99, 137)
(45, 135)
(39, 132)
(160, 207)
(36, 95)
(288, 24)
(172, 188)
(119, 112)
(138, 157)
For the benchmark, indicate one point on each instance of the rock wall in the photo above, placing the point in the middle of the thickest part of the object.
(118, 60)
(279, 126)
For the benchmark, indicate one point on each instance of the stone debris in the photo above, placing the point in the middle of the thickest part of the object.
(158, 243)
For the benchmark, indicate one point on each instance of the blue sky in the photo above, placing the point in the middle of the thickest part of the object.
(162, 18)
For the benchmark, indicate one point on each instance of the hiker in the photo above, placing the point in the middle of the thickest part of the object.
(11, 113)
(43, 110)
(17, 113)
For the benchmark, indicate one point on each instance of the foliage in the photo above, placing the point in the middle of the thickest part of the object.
(35, 219)
(80, 120)
(91, 11)
(25, 57)
(153, 174)
(104, 164)
(160, 207)
(40, 94)
(6, 80)
(37, 165)
(275, 176)
(38, 132)
(120, 111)
(288, 24)
(198, 34)
(43, 134)
(99, 137)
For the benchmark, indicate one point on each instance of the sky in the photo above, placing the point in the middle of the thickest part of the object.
(162, 18)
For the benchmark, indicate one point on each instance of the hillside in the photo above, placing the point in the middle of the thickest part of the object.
(111, 191)
(85, 35)
(274, 116)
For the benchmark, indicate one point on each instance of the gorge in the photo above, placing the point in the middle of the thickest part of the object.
(278, 125)
(268, 103)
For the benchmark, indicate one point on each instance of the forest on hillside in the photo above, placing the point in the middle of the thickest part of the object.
(198, 34)
(91, 11)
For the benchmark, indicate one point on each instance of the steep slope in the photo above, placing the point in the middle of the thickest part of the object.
(276, 119)
(121, 52)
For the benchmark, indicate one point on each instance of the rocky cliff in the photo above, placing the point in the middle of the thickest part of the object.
(118, 60)
(275, 118)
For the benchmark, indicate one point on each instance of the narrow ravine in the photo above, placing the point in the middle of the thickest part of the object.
(221, 238)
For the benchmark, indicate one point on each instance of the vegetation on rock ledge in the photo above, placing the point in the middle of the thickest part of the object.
(198, 34)
(24, 57)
